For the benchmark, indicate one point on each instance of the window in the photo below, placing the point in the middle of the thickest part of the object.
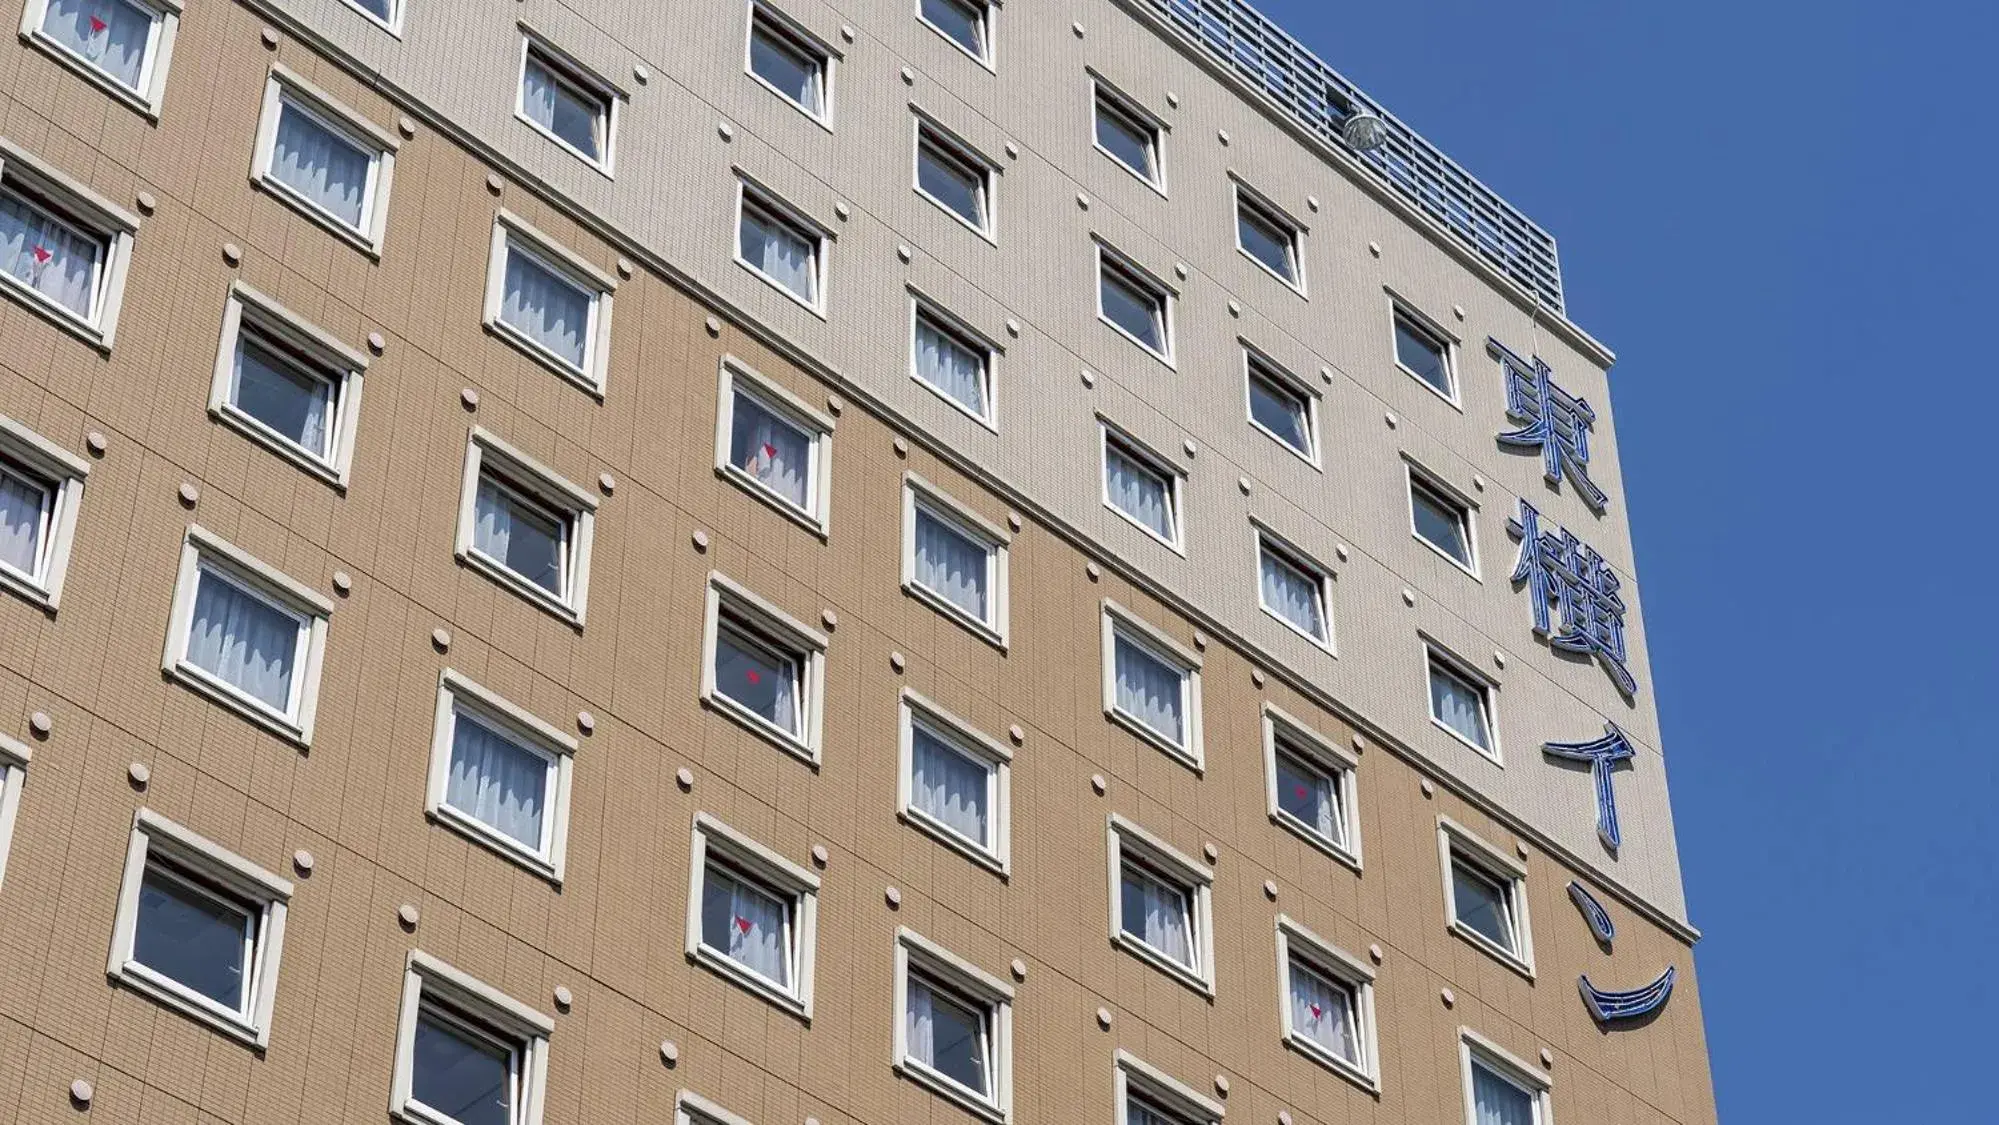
(1139, 487)
(1485, 896)
(955, 783)
(1500, 1089)
(1152, 685)
(1312, 783)
(693, 1109)
(783, 249)
(954, 560)
(1268, 237)
(953, 1027)
(466, 1053)
(287, 385)
(551, 303)
(247, 636)
(1129, 300)
(14, 755)
(774, 446)
(388, 13)
(1148, 1096)
(764, 668)
(199, 929)
(500, 775)
(64, 249)
(966, 23)
(526, 528)
(1328, 1008)
(41, 491)
(951, 175)
(752, 915)
(1442, 521)
(795, 65)
(1280, 408)
(1293, 590)
(324, 159)
(1461, 704)
(568, 104)
(1128, 135)
(124, 46)
(1161, 905)
(1425, 353)
(953, 361)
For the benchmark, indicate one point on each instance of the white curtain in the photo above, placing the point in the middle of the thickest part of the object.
(746, 924)
(319, 164)
(1138, 492)
(110, 33)
(528, 546)
(551, 311)
(950, 564)
(756, 681)
(51, 258)
(1308, 796)
(1148, 689)
(1499, 1102)
(951, 367)
(1457, 706)
(496, 781)
(1156, 913)
(1294, 596)
(779, 253)
(22, 507)
(948, 786)
(774, 453)
(946, 1036)
(292, 403)
(243, 641)
(561, 111)
(1323, 1012)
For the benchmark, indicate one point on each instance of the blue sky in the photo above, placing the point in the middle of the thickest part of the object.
(1782, 218)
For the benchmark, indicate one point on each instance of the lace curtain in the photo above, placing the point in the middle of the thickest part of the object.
(548, 309)
(22, 508)
(497, 781)
(243, 641)
(746, 924)
(948, 786)
(1308, 796)
(109, 33)
(783, 256)
(946, 1036)
(772, 452)
(319, 164)
(1148, 689)
(951, 367)
(1499, 1102)
(1156, 914)
(1292, 595)
(528, 546)
(290, 402)
(950, 564)
(1138, 493)
(47, 255)
(1457, 706)
(1323, 1012)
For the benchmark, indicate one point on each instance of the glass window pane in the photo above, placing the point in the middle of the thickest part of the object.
(1482, 903)
(948, 364)
(1293, 594)
(1421, 354)
(780, 252)
(1132, 143)
(771, 451)
(947, 1035)
(952, 565)
(1498, 1100)
(464, 1076)
(950, 786)
(1133, 308)
(778, 60)
(546, 307)
(564, 109)
(747, 924)
(1309, 794)
(758, 677)
(1138, 491)
(26, 506)
(243, 640)
(193, 938)
(1458, 705)
(1157, 913)
(278, 391)
(1138, 1111)
(1267, 241)
(952, 182)
(1440, 523)
(1323, 1011)
(1280, 410)
(112, 35)
(963, 20)
(497, 781)
(48, 255)
(325, 168)
(525, 538)
(1149, 689)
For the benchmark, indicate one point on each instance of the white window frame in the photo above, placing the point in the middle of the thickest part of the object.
(1136, 450)
(786, 28)
(512, 233)
(1110, 259)
(988, 23)
(522, 474)
(956, 150)
(63, 473)
(569, 70)
(1320, 575)
(204, 550)
(1435, 654)
(14, 758)
(1135, 1075)
(1473, 1047)
(1301, 741)
(970, 985)
(1465, 506)
(1104, 92)
(393, 24)
(922, 308)
(458, 693)
(774, 875)
(1447, 343)
(969, 741)
(265, 894)
(1256, 364)
(481, 1010)
(1117, 620)
(920, 494)
(85, 210)
(690, 1108)
(1122, 836)
(1253, 202)
(752, 194)
(343, 366)
(286, 85)
(152, 75)
(1297, 943)
(806, 644)
(738, 378)
(1458, 844)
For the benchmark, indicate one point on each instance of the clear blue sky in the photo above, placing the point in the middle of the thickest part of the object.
(1782, 217)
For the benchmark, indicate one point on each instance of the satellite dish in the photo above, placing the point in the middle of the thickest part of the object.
(1364, 131)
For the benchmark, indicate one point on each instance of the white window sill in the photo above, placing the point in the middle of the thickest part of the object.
(1450, 398)
(982, 419)
(1296, 286)
(420, 1114)
(1149, 532)
(579, 377)
(503, 846)
(956, 614)
(1134, 173)
(1163, 963)
(601, 167)
(816, 308)
(1173, 749)
(257, 432)
(749, 979)
(983, 60)
(1165, 357)
(1493, 949)
(535, 595)
(783, 507)
(937, 1083)
(153, 986)
(984, 233)
(334, 226)
(137, 101)
(59, 315)
(1488, 754)
(1323, 644)
(1345, 1068)
(823, 121)
(1318, 840)
(1448, 557)
(229, 696)
(922, 822)
(761, 727)
(26, 588)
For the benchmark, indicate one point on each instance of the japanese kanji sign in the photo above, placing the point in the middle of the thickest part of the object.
(1552, 420)
(1568, 575)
